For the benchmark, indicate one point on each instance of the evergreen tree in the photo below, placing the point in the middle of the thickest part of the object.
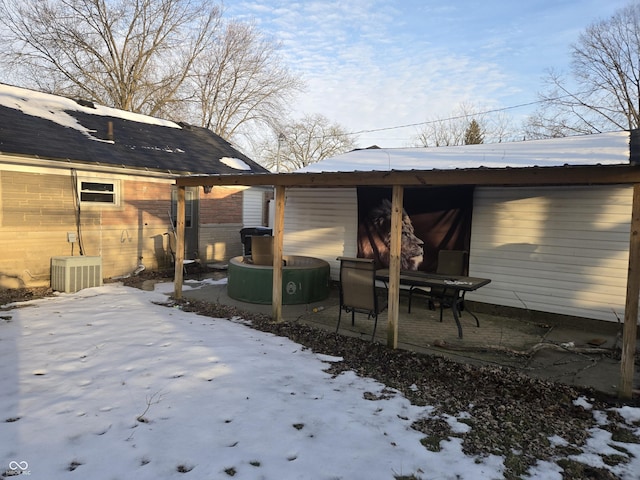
(473, 135)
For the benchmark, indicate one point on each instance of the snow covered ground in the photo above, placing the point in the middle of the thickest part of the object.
(107, 384)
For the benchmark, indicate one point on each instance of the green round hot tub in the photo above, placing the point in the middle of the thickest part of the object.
(304, 280)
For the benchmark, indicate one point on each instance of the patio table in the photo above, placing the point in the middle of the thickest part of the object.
(452, 285)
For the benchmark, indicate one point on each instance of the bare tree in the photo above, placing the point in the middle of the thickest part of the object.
(303, 142)
(169, 58)
(498, 127)
(605, 69)
(494, 126)
(240, 81)
(441, 132)
(129, 54)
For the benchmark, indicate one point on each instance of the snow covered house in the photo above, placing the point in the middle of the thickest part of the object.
(79, 179)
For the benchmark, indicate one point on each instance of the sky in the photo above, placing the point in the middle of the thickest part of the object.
(375, 64)
(108, 383)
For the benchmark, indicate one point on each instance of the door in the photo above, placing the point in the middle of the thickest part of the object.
(191, 220)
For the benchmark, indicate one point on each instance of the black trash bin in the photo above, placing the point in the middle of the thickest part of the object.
(247, 232)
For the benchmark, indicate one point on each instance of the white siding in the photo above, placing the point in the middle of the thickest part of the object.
(252, 207)
(555, 249)
(322, 223)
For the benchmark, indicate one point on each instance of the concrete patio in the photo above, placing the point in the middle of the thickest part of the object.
(568, 350)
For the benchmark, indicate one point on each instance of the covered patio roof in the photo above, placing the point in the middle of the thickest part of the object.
(509, 176)
(616, 166)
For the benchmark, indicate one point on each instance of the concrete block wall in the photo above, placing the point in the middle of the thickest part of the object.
(220, 242)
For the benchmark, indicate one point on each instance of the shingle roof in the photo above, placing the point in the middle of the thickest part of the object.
(37, 124)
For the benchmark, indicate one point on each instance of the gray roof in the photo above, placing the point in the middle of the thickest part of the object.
(43, 125)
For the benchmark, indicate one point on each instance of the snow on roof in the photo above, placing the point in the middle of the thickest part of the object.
(235, 163)
(604, 149)
(55, 108)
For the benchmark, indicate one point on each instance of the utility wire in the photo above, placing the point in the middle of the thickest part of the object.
(458, 117)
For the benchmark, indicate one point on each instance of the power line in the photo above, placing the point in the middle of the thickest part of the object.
(458, 117)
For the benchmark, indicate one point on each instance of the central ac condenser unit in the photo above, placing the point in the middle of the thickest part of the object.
(70, 274)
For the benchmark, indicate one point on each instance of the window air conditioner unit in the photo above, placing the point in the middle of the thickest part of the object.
(70, 274)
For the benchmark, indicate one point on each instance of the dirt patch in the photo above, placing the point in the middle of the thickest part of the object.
(8, 296)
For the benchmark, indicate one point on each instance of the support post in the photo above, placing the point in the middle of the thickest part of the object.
(393, 302)
(631, 306)
(179, 262)
(278, 236)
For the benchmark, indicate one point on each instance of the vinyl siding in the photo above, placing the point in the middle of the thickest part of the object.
(321, 223)
(253, 207)
(556, 249)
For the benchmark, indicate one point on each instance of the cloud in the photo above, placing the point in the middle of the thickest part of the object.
(366, 66)
(371, 64)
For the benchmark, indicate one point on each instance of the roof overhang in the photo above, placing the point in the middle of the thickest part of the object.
(89, 166)
(556, 175)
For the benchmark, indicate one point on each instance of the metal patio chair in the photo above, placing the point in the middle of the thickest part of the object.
(450, 262)
(358, 290)
(188, 265)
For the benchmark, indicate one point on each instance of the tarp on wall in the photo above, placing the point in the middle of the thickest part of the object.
(437, 218)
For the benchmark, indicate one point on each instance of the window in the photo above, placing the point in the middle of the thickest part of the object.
(98, 191)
